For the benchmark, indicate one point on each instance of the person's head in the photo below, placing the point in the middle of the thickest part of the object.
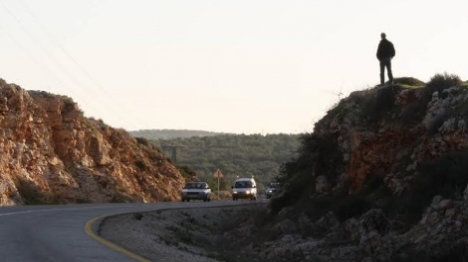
(383, 35)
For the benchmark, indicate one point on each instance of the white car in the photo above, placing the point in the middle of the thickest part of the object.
(244, 188)
(196, 191)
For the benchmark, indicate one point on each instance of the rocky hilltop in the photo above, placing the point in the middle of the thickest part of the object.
(51, 153)
(383, 177)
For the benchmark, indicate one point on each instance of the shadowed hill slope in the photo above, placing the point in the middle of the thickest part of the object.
(383, 177)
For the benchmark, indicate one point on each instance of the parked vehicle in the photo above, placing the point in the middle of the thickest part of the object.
(244, 188)
(196, 191)
(272, 189)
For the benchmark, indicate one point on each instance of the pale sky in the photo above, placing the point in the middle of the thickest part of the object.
(223, 66)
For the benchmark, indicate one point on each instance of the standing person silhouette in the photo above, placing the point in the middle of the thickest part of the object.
(385, 53)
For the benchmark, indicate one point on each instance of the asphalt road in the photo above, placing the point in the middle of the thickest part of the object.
(56, 233)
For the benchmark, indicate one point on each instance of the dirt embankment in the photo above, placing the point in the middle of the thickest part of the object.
(195, 234)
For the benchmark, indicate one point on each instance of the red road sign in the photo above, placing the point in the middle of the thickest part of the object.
(218, 174)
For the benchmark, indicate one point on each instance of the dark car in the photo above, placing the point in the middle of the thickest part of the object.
(196, 190)
(272, 189)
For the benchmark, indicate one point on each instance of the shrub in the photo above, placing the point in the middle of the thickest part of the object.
(352, 206)
(340, 202)
(445, 176)
(318, 155)
(119, 197)
(415, 112)
(29, 192)
(346, 206)
(143, 141)
(293, 190)
(439, 82)
(318, 206)
(32, 194)
(187, 172)
(338, 110)
(83, 201)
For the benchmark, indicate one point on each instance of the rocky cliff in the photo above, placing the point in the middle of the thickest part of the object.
(51, 153)
(383, 177)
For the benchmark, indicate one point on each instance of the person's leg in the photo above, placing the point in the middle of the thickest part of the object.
(382, 71)
(389, 70)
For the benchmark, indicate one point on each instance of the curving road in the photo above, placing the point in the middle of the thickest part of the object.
(56, 233)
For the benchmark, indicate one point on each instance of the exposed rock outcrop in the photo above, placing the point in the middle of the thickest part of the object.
(383, 177)
(51, 153)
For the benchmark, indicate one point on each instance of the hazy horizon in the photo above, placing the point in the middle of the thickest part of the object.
(244, 67)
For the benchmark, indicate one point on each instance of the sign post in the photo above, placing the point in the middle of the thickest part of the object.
(218, 174)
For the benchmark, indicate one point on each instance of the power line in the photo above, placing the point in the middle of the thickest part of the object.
(61, 47)
(54, 60)
(30, 35)
(35, 60)
(67, 54)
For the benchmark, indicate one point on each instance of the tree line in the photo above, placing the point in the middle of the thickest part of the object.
(260, 156)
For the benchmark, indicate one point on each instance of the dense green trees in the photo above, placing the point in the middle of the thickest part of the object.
(235, 155)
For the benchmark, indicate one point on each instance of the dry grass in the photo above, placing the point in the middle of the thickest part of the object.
(223, 195)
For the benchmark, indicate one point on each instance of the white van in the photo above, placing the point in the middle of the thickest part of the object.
(244, 188)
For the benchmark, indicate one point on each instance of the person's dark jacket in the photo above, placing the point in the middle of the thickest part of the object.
(385, 50)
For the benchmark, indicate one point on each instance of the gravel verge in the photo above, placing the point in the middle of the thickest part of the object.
(193, 234)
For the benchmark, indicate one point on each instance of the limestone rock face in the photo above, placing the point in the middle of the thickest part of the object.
(51, 153)
(387, 180)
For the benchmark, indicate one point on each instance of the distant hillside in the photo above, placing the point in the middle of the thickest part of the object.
(236, 155)
(171, 133)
